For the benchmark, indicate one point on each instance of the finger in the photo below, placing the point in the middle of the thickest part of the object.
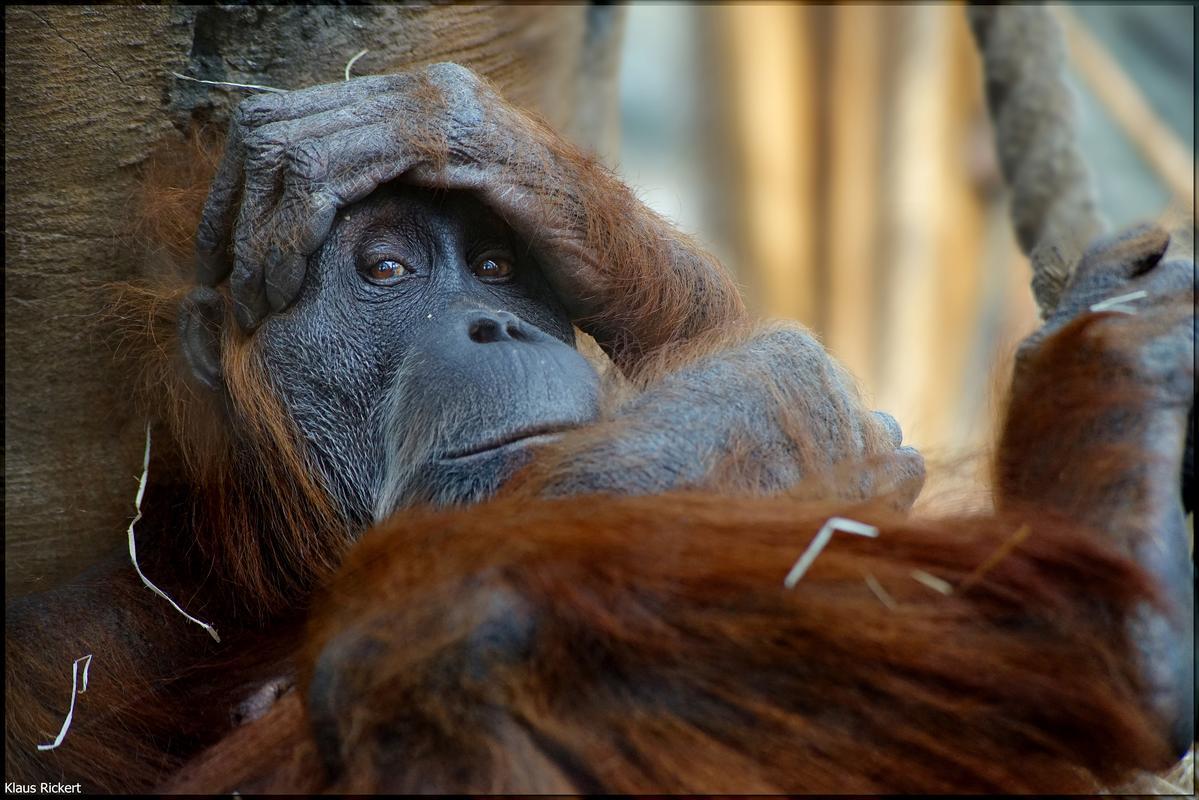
(216, 221)
(347, 116)
(250, 305)
(1128, 253)
(264, 115)
(270, 108)
(1169, 283)
(251, 238)
(908, 478)
(286, 264)
(272, 262)
(894, 432)
(329, 158)
(351, 164)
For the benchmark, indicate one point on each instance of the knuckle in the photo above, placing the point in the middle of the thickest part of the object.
(890, 426)
(1090, 284)
(461, 89)
(449, 75)
(247, 316)
(242, 115)
(1124, 255)
(911, 459)
(307, 161)
(913, 470)
(252, 111)
(792, 344)
(262, 149)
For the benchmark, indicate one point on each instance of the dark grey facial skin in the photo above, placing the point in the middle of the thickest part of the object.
(414, 370)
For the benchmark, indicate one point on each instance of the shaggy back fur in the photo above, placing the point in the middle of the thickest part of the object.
(648, 645)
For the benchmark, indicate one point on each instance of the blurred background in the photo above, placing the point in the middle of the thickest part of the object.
(839, 161)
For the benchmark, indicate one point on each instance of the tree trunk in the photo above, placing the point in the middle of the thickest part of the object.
(88, 96)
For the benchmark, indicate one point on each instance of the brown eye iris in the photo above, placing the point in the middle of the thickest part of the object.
(493, 269)
(385, 269)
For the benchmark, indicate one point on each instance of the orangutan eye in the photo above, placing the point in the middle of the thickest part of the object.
(493, 270)
(385, 270)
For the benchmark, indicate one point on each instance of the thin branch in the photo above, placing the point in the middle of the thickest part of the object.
(230, 85)
(1005, 549)
(932, 581)
(66, 723)
(877, 589)
(822, 538)
(141, 490)
(350, 63)
(1119, 303)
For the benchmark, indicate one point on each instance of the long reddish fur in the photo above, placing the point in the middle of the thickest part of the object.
(668, 656)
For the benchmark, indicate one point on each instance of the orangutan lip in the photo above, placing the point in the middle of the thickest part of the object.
(538, 435)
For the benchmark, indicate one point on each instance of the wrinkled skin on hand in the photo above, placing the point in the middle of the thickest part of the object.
(769, 412)
(292, 159)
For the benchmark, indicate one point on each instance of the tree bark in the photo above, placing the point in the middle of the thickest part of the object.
(88, 96)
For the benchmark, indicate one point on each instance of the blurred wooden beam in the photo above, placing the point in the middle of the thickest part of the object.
(770, 90)
(916, 145)
(854, 188)
(958, 302)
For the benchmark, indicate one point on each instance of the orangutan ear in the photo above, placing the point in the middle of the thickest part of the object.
(201, 321)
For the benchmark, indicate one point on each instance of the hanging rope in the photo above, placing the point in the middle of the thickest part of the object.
(1053, 204)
